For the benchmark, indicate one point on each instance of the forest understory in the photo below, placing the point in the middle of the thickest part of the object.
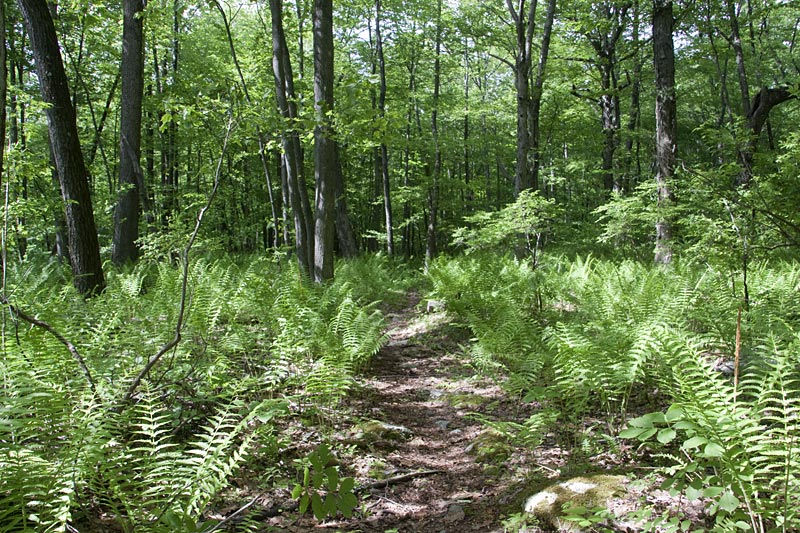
(624, 396)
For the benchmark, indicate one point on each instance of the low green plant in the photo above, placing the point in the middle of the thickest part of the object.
(321, 488)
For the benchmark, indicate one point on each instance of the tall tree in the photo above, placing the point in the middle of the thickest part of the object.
(84, 249)
(384, 150)
(325, 159)
(666, 124)
(126, 214)
(3, 91)
(292, 149)
(433, 191)
(524, 23)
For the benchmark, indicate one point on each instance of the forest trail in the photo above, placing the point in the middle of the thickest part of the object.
(422, 390)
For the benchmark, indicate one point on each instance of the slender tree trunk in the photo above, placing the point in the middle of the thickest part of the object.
(344, 229)
(3, 95)
(536, 96)
(384, 151)
(631, 142)
(324, 144)
(73, 177)
(126, 215)
(524, 23)
(666, 124)
(262, 150)
(431, 248)
(284, 92)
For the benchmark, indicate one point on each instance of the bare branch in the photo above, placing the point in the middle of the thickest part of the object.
(55, 333)
(185, 282)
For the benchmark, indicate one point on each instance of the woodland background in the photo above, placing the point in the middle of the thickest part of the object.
(611, 187)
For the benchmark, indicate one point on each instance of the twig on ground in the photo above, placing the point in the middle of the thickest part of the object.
(381, 483)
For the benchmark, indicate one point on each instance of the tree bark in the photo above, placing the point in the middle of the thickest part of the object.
(537, 89)
(431, 246)
(324, 144)
(292, 150)
(344, 229)
(384, 151)
(523, 24)
(126, 214)
(666, 124)
(3, 95)
(73, 178)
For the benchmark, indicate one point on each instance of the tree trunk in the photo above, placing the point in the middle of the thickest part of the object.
(344, 229)
(666, 124)
(3, 96)
(431, 248)
(324, 144)
(524, 24)
(73, 177)
(284, 92)
(126, 215)
(536, 96)
(384, 151)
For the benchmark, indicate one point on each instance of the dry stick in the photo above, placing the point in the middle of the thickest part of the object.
(381, 483)
(55, 333)
(185, 282)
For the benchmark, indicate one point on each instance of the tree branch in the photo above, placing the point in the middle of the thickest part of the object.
(185, 281)
(55, 333)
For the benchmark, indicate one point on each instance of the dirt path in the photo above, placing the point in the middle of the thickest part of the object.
(419, 382)
(421, 388)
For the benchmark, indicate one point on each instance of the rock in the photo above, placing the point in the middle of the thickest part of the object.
(466, 400)
(375, 432)
(455, 513)
(434, 306)
(442, 424)
(548, 504)
(490, 447)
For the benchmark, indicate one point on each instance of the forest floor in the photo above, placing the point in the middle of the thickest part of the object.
(415, 438)
(418, 403)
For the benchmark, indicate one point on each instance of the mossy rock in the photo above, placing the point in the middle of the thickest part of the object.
(372, 433)
(466, 400)
(490, 447)
(590, 491)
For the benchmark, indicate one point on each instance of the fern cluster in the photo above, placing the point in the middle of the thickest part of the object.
(255, 332)
(587, 337)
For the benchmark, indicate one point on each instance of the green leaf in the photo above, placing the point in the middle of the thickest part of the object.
(318, 479)
(303, 505)
(694, 442)
(330, 505)
(631, 433)
(713, 449)
(648, 420)
(674, 413)
(348, 503)
(666, 435)
(693, 493)
(317, 507)
(297, 491)
(647, 433)
(712, 492)
(728, 502)
(347, 486)
(333, 478)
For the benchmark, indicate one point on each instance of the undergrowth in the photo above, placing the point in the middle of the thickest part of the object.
(597, 340)
(259, 343)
